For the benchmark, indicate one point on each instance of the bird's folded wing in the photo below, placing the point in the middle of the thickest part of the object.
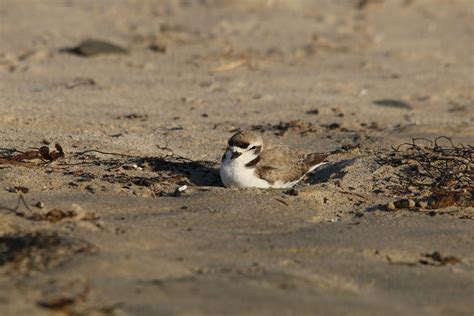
(280, 163)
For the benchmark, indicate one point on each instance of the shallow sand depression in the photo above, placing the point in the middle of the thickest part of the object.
(96, 226)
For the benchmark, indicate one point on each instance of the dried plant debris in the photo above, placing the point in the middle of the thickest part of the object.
(92, 47)
(56, 215)
(428, 259)
(18, 189)
(456, 107)
(157, 175)
(393, 104)
(229, 66)
(282, 128)
(332, 126)
(76, 213)
(22, 253)
(157, 47)
(165, 171)
(21, 201)
(442, 198)
(312, 112)
(76, 82)
(362, 4)
(439, 173)
(133, 116)
(62, 295)
(13, 156)
(298, 126)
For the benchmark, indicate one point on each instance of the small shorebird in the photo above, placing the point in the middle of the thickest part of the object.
(248, 162)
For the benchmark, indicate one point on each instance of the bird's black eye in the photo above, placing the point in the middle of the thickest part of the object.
(253, 147)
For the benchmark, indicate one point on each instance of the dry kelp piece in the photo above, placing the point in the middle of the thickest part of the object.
(442, 198)
(428, 259)
(436, 259)
(51, 155)
(12, 155)
(36, 251)
(439, 167)
(92, 47)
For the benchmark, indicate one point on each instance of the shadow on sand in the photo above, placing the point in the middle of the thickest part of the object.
(330, 171)
(201, 173)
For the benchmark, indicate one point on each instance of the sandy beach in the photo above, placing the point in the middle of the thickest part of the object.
(141, 98)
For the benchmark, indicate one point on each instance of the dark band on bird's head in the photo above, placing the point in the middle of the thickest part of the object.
(238, 143)
(235, 154)
(253, 162)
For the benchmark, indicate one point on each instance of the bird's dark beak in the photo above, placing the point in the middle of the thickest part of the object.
(235, 154)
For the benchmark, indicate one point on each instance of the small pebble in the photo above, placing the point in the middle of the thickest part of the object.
(402, 204)
(157, 47)
(391, 206)
(338, 111)
(292, 192)
(313, 112)
(91, 188)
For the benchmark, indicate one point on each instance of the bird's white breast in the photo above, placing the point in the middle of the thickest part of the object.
(234, 173)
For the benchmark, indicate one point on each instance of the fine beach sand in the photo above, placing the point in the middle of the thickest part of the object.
(314, 75)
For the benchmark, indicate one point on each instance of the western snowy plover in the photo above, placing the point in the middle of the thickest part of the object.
(248, 162)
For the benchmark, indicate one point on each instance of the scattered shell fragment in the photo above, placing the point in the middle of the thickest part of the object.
(229, 66)
(422, 204)
(76, 82)
(393, 104)
(130, 166)
(180, 190)
(39, 204)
